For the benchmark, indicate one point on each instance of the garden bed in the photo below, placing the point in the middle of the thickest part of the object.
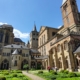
(12, 75)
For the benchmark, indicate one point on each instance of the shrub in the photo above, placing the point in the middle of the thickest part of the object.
(53, 78)
(39, 72)
(25, 78)
(14, 75)
(15, 79)
(2, 78)
(20, 75)
(72, 74)
(66, 71)
(78, 75)
(53, 72)
(6, 73)
(62, 71)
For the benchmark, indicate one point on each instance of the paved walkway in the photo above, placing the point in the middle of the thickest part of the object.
(33, 77)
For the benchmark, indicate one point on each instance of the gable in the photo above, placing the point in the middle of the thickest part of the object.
(42, 29)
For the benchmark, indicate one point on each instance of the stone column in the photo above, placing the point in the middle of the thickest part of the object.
(70, 59)
(56, 57)
(63, 59)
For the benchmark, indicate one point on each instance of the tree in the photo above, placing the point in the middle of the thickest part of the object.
(25, 66)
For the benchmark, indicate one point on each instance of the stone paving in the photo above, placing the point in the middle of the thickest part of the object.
(33, 77)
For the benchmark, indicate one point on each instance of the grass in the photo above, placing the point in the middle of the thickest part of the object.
(59, 76)
(13, 75)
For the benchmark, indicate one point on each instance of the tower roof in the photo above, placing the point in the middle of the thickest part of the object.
(34, 29)
(63, 1)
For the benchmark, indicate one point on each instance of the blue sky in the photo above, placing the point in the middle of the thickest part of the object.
(21, 14)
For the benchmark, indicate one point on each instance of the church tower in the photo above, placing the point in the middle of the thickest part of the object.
(34, 38)
(70, 13)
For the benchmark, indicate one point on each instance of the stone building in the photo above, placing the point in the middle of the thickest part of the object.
(61, 46)
(34, 38)
(14, 53)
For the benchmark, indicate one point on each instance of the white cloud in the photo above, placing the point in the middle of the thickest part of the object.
(59, 27)
(1, 23)
(19, 34)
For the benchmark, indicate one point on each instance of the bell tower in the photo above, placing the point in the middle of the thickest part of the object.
(70, 13)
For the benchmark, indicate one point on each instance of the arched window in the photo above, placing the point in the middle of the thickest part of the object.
(66, 45)
(44, 38)
(59, 48)
(1, 36)
(7, 38)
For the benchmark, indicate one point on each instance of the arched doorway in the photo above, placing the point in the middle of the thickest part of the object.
(5, 64)
(33, 64)
(39, 65)
(23, 63)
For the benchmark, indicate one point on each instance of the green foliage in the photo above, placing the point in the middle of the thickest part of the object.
(40, 72)
(25, 66)
(66, 71)
(2, 78)
(53, 72)
(15, 79)
(6, 73)
(62, 71)
(72, 74)
(14, 75)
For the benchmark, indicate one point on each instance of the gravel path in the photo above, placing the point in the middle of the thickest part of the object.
(33, 77)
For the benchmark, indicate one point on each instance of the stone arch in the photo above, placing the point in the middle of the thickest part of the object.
(39, 65)
(5, 64)
(65, 45)
(33, 65)
(23, 63)
(1, 36)
(7, 38)
(58, 48)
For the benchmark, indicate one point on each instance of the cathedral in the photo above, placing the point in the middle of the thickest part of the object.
(14, 54)
(61, 47)
(54, 47)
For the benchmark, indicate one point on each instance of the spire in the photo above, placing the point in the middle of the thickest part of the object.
(34, 29)
(64, 1)
(28, 42)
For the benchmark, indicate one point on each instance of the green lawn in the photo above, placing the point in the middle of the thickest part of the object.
(59, 76)
(13, 75)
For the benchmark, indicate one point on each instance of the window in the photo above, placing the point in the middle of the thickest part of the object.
(16, 57)
(68, 21)
(73, 3)
(65, 45)
(44, 50)
(11, 50)
(33, 38)
(65, 9)
(53, 33)
(33, 33)
(19, 57)
(1, 36)
(26, 55)
(15, 63)
(40, 41)
(59, 48)
(44, 38)
(37, 39)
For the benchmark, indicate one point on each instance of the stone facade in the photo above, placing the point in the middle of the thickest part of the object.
(59, 44)
(14, 54)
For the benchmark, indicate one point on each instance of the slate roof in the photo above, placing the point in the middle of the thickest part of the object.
(15, 46)
(6, 26)
(17, 40)
(77, 50)
(34, 51)
(42, 57)
(64, 1)
(15, 52)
